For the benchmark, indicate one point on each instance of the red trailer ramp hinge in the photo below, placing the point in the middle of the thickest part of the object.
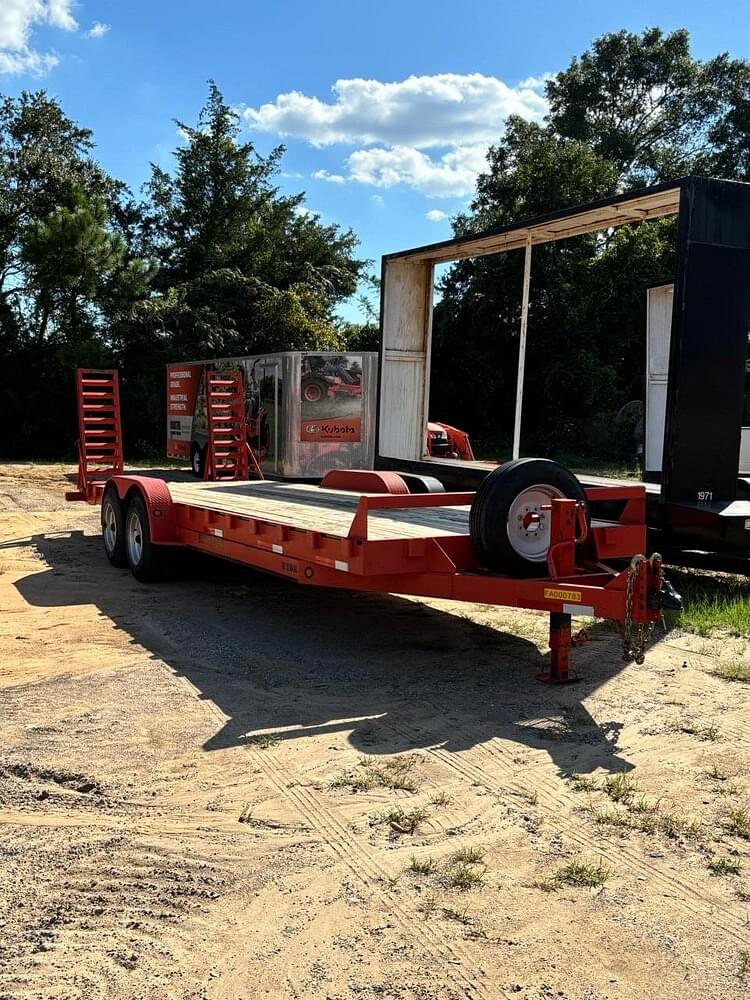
(99, 431)
(228, 454)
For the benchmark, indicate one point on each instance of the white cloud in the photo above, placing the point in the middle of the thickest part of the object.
(435, 215)
(455, 116)
(452, 175)
(421, 111)
(17, 19)
(535, 82)
(324, 175)
(98, 30)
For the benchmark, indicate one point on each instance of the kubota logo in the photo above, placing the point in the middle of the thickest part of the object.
(312, 428)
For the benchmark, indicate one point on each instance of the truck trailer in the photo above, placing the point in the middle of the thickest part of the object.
(697, 488)
(527, 537)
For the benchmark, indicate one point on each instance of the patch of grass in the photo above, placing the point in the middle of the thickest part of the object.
(619, 787)
(422, 866)
(428, 906)
(546, 884)
(441, 799)
(264, 741)
(529, 795)
(582, 873)
(715, 602)
(744, 967)
(405, 822)
(468, 856)
(357, 782)
(582, 783)
(394, 773)
(733, 672)
(646, 823)
(613, 817)
(708, 731)
(739, 822)
(729, 788)
(474, 927)
(465, 876)
(643, 807)
(460, 916)
(725, 866)
(716, 773)
(674, 826)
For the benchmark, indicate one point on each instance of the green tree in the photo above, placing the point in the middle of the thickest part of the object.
(644, 103)
(632, 110)
(243, 267)
(67, 269)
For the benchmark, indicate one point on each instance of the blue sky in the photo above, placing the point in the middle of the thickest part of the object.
(386, 109)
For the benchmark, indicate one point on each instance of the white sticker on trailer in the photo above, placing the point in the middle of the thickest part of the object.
(578, 609)
(338, 564)
(278, 549)
(218, 532)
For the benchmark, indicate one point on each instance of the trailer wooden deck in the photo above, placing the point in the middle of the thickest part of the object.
(312, 508)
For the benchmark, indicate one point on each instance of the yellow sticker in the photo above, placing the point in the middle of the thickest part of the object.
(562, 595)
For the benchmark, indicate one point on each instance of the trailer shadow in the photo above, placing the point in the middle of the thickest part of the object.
(391, 672)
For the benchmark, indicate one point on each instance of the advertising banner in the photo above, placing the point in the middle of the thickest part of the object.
(331, 394)
(183, 386)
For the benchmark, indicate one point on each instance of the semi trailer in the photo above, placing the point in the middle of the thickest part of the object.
(697, 453)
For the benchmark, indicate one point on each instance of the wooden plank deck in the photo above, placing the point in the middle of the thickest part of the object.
(314, 509)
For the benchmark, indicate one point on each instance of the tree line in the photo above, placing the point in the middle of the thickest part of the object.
(633, 110)
(212, 259)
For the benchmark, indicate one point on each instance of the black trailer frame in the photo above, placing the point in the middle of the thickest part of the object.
(701, 502)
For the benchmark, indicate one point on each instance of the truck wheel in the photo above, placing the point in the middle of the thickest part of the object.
(509, 530)
(144, 558)
(113, 528)
(198, 459)
(314, 389)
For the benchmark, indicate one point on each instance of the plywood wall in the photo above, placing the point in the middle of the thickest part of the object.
(405, 366)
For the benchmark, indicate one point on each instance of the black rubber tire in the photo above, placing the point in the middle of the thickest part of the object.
(319, 384)
(112, 511)
(488, 519)
(198, 459)
(422, 484)
(149, 566)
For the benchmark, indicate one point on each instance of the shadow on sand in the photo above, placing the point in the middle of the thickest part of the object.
(393, 673)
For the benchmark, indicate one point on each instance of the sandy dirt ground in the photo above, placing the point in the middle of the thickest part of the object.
(200, 785)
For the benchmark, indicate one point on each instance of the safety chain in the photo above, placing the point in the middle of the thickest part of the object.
(635, 635)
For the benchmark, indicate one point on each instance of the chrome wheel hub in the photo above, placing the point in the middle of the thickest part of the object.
(109, 526)
(134, 538)
(529, 521)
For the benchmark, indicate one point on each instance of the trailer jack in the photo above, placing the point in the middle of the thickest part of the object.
(560, 643)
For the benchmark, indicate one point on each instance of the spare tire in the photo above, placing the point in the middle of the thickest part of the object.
(509, 530)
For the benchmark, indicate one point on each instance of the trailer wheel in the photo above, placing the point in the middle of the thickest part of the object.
(144, 558)
(113, 528)
(509, 528)
(422, 484)
(314, 389)
(198, 459)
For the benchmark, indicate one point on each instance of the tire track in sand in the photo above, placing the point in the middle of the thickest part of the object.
(456, 961)
(485, 762)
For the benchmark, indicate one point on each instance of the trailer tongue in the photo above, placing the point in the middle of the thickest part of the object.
(517, 541)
